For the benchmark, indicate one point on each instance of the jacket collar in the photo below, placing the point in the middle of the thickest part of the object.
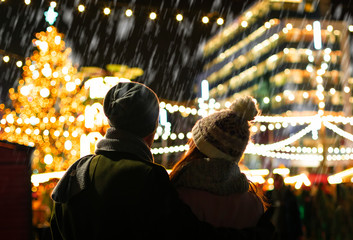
(117, 140)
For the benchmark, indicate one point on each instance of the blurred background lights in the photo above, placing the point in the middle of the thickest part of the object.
(106, 11)
(205, 19)
(81, 8)
(48, 159)
(244, 24)
(153, 15)
(266, 100)
(19, 63)
(70, 86)
(6, 59)
(44, 92)
(179, 17)
(220, 21)
(57, 40)
(128, 12)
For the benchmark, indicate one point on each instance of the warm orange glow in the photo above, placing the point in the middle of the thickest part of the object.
(50, 105)
(40, 99)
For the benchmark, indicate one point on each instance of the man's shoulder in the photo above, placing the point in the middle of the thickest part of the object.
(126, 175)
(127, 165)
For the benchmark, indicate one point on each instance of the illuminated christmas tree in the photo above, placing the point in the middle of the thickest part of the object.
(47, 105)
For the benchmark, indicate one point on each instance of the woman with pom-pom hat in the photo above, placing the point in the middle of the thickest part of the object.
(208, 177)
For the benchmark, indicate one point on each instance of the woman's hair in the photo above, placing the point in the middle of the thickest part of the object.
(194, 153)
(190, 155)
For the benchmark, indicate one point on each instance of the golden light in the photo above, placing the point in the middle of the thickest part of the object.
(346, 89)
(179, 17)
(266, 100)
(341, 176)
(309, 27)
(48, 159)
(289, 26)
(244, 24)
(106, 11)
(81, 8)
(36, 179)
(68, 145)
(330, 28)
(27, 2)
(53, 4)
(281, 171)
(350, 28)
(205, 19)
(256, 172)
(55, 132)
(256, 179)
(153, 15)
(19, 64)
(70, 86)
(128, 12)
(44, 92)
(57, 40)
(267, 25)
(321, 105)
(220, 21)
(6, 59)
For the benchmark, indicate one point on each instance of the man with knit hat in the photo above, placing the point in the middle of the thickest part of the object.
(116, 192)
(119, 193)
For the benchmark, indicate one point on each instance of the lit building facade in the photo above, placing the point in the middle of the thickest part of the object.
(296, 63)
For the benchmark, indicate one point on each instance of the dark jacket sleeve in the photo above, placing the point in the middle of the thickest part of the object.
(55, 233)
(55, 222)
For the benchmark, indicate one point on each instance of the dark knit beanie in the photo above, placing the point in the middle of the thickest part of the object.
(132, 107)
(225, 134)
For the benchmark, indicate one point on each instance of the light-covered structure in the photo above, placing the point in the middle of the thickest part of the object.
(296, 62)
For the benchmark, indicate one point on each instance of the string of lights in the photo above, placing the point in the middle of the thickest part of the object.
(339, 131)
(289, 156)
(36, 126)
(8, 56)
(256, 148)
(170, 149)
(107, 8)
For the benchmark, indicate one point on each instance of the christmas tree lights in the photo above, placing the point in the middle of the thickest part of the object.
(47, 105)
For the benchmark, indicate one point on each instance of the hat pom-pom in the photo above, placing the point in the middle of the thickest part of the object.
(245, 108)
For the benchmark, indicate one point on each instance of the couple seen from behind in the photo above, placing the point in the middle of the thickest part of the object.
(120, 193)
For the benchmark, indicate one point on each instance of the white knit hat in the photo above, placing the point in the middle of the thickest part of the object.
(225, 134)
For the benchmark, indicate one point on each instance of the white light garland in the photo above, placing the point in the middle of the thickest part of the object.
(171, 149)
(172, 136)
(290, 156)
(338, 119)
(280, 119)
(255, 148)
(339, 131)
(178, 108)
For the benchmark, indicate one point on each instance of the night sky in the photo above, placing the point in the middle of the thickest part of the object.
(167, 50)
